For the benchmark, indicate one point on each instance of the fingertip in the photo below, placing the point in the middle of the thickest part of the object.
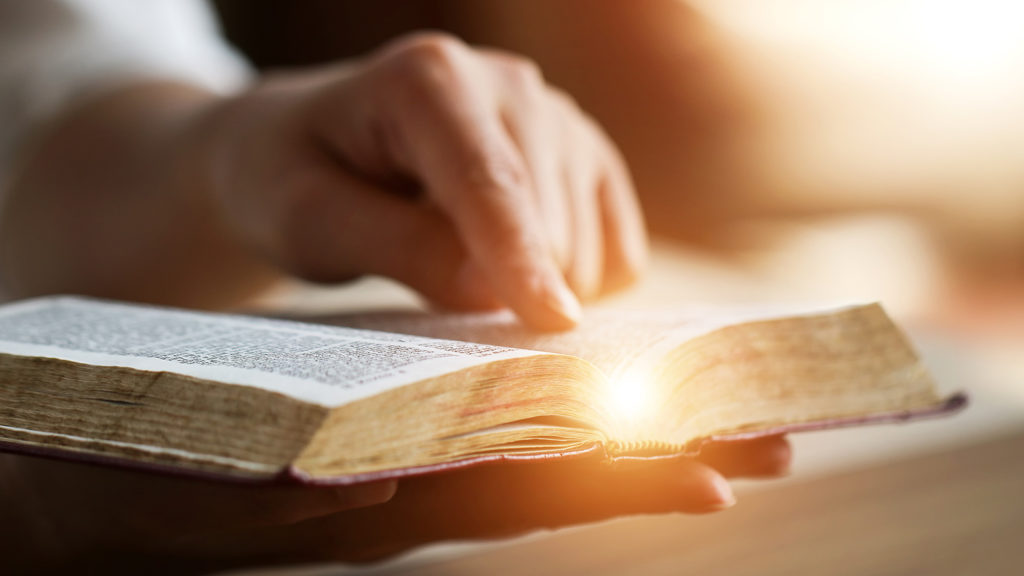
(705, 491)
(681, 484)
(722, 495)
(562, 301)
(552, 305)
(366, 494)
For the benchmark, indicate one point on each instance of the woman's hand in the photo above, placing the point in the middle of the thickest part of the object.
(60, 516)
(456, 171)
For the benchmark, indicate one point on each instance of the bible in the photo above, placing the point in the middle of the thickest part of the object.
(396, 394)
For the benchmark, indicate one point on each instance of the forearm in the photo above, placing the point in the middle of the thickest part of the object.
(115, 200)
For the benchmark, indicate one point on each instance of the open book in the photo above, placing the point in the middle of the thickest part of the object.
(258, 398)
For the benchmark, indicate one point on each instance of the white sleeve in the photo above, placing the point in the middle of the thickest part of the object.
(53, 51)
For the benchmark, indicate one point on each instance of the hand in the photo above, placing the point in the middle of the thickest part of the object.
(500, 501)
(56, 515)
(108, 519)
(456, 171)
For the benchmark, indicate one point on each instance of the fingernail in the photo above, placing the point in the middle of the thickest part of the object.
(560, 299)
(720, 497)
(712, 496)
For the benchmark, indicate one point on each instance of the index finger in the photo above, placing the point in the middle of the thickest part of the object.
(456, 144)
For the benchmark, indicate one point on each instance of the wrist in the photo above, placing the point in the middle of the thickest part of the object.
(210, 133)
(187, 135)
(116, 200)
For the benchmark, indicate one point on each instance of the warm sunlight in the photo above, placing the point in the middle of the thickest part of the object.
(967, 41)
(887, 102)
(950, 41)
(631, 403)
(629, 398)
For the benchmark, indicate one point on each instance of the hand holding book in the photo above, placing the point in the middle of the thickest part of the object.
(481, 439)
(109, 519)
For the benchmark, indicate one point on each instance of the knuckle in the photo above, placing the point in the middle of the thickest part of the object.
(423, 70)
(523, 72)
(564, 101)
(498, 176)
(431, 42)
(429, 54)
(523, 79)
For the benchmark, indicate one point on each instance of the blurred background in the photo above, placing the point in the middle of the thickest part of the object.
(784, 150)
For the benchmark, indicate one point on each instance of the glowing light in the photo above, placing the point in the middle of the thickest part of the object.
(629, 399)
(630, 402)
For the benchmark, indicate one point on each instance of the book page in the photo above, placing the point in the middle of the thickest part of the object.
(616, 341)
(321, 364)
(643, 395)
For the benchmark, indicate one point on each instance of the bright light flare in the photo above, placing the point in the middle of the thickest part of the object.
(630, 402)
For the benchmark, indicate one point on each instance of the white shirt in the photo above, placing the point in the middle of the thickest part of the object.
(55, 51)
